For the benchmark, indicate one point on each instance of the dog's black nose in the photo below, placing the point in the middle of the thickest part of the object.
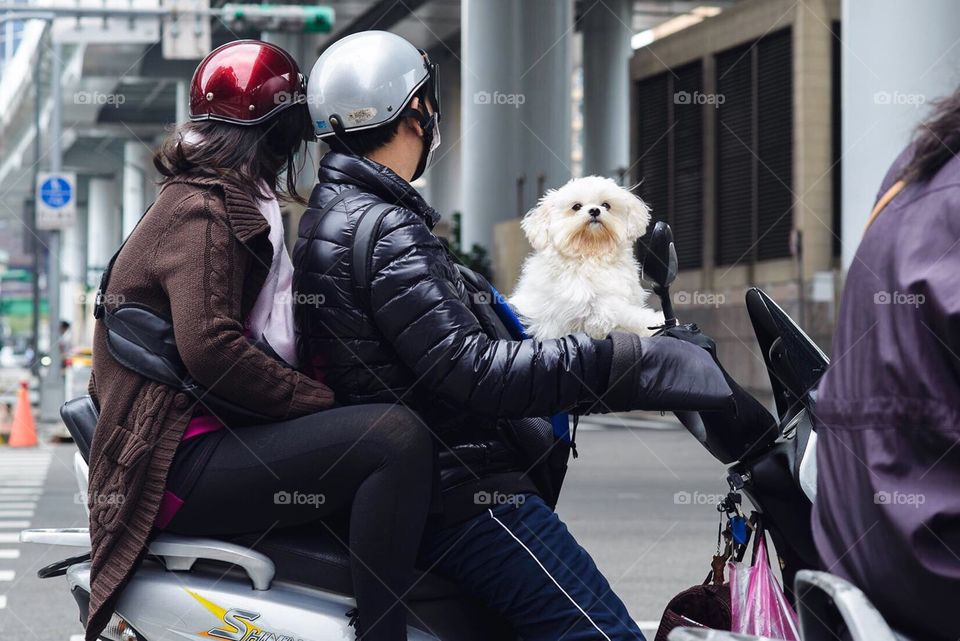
(594, 211)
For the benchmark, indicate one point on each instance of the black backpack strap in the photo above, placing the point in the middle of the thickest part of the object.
(323, 212)
(364, 239)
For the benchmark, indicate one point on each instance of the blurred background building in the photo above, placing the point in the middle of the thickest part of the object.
(760, 129)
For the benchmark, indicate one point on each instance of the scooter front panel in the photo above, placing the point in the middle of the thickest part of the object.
(214, 603)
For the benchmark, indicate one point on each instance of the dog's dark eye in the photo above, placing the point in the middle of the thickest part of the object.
(577, 206)
(605, 206)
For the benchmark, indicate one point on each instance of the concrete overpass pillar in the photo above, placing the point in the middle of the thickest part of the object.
(71, 257)
(103, 224)
(885, 97)
(606, 87)
(546, 34)
(137, 183)
(491, 85)
(516, 107)
(444, 178)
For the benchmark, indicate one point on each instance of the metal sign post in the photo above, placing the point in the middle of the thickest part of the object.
(56, 192)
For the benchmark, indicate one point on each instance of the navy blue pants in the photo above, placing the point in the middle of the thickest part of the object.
(522, 562)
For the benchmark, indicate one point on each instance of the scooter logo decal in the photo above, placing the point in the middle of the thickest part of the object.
(237, 624)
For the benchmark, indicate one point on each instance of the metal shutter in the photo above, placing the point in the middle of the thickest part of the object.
(653, 122)
(774, 137)
(686, 209)
(670, 168)
(735, 158)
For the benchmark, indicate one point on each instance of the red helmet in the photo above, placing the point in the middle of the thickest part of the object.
(245, 82)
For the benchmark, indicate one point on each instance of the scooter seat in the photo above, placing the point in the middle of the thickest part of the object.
(314, 555)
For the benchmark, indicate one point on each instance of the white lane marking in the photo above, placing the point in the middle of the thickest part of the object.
(595, 422)
(9, 537)
(10, 554)
(14, 525)
(3, 601)
(9, 514)
(19, 466)
(17, 505)
(20, 491)
(7, 575)
(77, 637)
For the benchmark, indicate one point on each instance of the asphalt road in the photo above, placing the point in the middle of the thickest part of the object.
(638, 498)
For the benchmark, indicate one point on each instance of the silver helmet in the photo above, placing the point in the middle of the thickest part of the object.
(365, 80)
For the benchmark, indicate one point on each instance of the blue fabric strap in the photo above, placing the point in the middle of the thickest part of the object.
(559, 422)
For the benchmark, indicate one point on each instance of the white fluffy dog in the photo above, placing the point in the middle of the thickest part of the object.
(583, 276)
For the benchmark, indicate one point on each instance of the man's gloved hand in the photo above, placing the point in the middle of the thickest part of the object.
(736, 430)
(660, 373)
(691, 333)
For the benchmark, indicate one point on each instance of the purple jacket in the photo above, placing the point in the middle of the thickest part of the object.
(887, 515)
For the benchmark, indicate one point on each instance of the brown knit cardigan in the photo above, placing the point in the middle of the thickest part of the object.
(199, 256)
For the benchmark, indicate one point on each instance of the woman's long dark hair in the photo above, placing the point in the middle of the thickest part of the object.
(936, 141)
(245, 155)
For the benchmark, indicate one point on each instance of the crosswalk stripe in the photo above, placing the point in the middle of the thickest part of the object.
(13, 464)
(17, 505)
(3, 601)
(7, 575)
(10, 554)
(9, 537)
(14, 525)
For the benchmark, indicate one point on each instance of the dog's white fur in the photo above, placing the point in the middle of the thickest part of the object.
(583, 276)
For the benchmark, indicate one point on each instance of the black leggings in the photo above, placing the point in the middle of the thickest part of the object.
(377, 458)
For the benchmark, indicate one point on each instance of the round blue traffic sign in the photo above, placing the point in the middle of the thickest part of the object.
(56, 192)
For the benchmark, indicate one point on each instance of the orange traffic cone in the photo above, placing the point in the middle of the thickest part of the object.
(24, 430)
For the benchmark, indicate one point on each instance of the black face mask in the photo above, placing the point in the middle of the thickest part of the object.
(430, 124)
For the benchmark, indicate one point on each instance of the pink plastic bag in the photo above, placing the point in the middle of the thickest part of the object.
(757, 604)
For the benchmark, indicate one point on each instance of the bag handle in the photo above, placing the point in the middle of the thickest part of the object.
(889, 195)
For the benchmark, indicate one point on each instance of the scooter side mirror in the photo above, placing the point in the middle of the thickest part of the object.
(660, 268)
(660, 262)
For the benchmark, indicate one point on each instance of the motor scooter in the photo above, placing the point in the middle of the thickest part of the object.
(294, 584)
(775, 466)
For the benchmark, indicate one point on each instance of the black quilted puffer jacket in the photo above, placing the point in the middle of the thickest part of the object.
(417, 340)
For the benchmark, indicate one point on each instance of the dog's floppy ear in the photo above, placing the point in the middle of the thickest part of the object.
(638, 216)
(536, 224)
